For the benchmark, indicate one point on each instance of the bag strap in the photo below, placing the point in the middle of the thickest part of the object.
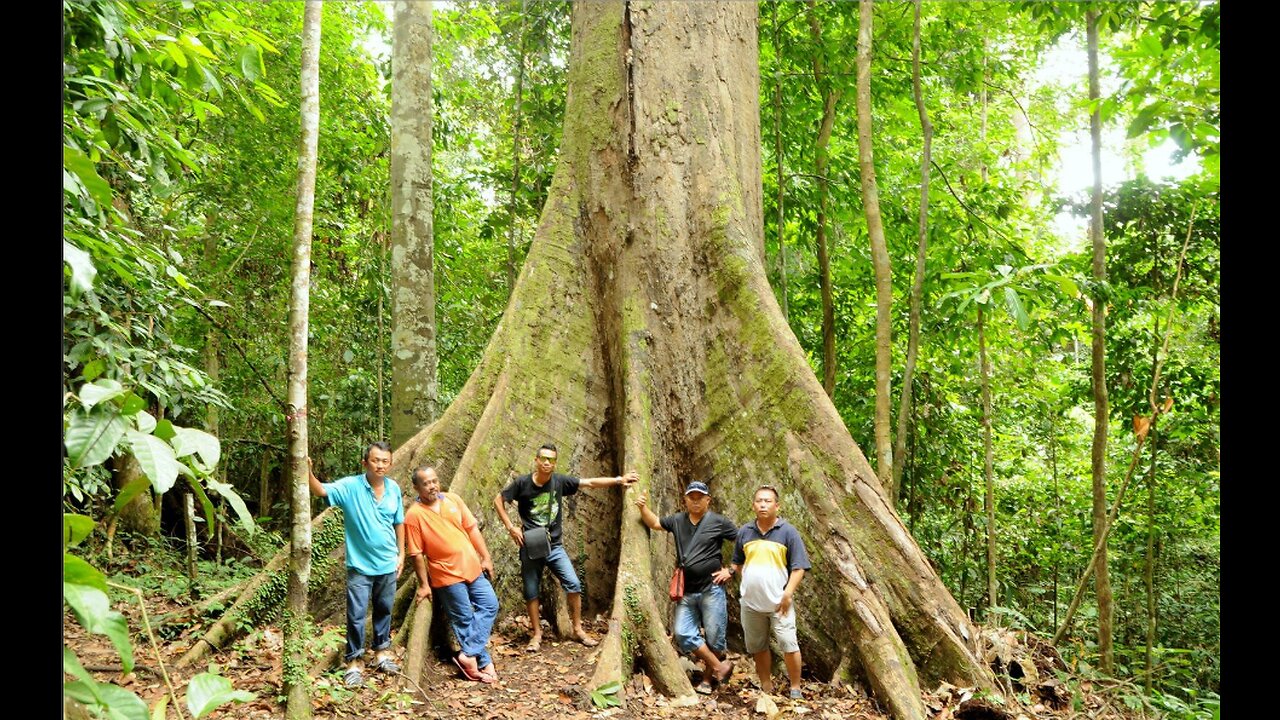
(696, 528)
(555, 490)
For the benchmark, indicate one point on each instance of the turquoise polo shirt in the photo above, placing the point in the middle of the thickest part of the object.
(368, 524)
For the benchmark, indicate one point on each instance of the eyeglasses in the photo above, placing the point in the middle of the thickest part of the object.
(547, 458)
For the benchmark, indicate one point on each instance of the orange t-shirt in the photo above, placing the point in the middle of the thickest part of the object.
(440, 536)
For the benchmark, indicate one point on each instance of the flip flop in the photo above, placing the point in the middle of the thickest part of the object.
(466, 671)
(586, 640)
(704, 688)
(719, 678)
(534, 645)
(353, 677)
(488, 674)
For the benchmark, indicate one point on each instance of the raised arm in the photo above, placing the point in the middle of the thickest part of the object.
(317, 488)
(631, 478)
(647, 516)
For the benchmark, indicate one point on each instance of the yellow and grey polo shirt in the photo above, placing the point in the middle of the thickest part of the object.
(767, 560)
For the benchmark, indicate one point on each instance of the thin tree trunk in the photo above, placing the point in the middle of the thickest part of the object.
(515, 156)
(295, 678)
(777, 156)
(414, 382)
(831, 95)
(1150, 570)
(1101, 411)
(193, 545)
(879, 252)
(264, 484)
(917, 285)
(1057, 505)
(382, 339)
(988, 473)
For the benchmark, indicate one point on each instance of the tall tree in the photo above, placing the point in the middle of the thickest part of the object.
(643, 301)
(879, 251)
(1101, 410)
(414, 386)
(295, 657)
(894, 486)
(830, 96)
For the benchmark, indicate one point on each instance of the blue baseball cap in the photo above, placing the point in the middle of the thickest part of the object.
(697, 486)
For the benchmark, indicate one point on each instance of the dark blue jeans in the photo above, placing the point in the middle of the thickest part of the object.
(561, 567)
(361, 589)
(471, 607)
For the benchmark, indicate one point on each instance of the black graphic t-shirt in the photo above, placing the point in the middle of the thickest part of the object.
(537, 505)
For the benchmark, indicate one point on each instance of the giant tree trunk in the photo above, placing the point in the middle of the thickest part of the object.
(1101, 411)
(642, 334)
(413, 298)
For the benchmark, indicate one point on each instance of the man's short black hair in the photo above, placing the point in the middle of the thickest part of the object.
(549, 446)
(382, 445)
(416, 475)
(770, 488)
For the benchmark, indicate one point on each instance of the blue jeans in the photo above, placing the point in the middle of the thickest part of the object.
(702, 612)
(561, 567)
(472, 607)
(381, 589)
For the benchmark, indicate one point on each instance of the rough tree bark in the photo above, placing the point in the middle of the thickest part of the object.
(413, 299)
(642, 334)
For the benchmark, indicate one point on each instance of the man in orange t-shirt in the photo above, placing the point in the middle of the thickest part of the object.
(451, 558)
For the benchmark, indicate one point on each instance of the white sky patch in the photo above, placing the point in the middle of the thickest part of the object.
(1066, 66)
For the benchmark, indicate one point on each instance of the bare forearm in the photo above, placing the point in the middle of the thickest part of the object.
(477, 541)
(792, 582)
(501, 506)
(650, 518)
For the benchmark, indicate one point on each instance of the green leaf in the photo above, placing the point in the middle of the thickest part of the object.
(175, 52)
(145, 421)
(1014, 304)
(120, 704)
(92, 437)
(75, 528)
(251, 62)
(1066, 284)
(71, 665)
(164, 430)
(159, 708)
(229, 493)
(82, 274)
(610, 688)
(156, 458)
(132, 404)
(93, 393)
(93, 610)
(1004, 270)
(98, 188)
(130, 491)
(207, 691)
(76, 571)
(189, 440)
(93, 369)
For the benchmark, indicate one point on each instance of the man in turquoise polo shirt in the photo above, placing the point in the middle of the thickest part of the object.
(373, 524)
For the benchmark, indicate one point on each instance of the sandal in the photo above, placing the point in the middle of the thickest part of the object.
(704, 688)
(353, 677)
(721, 677)
(586, 640)
(386, 665)
(535, 644)
(468, 669)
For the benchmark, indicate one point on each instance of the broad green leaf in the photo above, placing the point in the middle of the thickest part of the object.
(93, 393)
(145, 421)
(1014, 304)
(175, 52)
(83, 168)
(71, 665)
(130, 491)
(120, 704)
(82, 274)
(78, 572)
(251, 62)
(93, 369)
(237, 503)
(207, 691)
(75, 528)
(610, 688)
(1066, 284)
(189, 440)
(156, 458)
(164, 430)
(92, 437)
(132, 404)
(93, 610)
(1004, 270)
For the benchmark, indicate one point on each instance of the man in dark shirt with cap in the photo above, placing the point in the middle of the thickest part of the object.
(699, 534)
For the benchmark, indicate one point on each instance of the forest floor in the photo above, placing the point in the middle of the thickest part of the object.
(552, 684)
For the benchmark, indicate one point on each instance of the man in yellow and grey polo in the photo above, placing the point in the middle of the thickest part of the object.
(772, 559)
